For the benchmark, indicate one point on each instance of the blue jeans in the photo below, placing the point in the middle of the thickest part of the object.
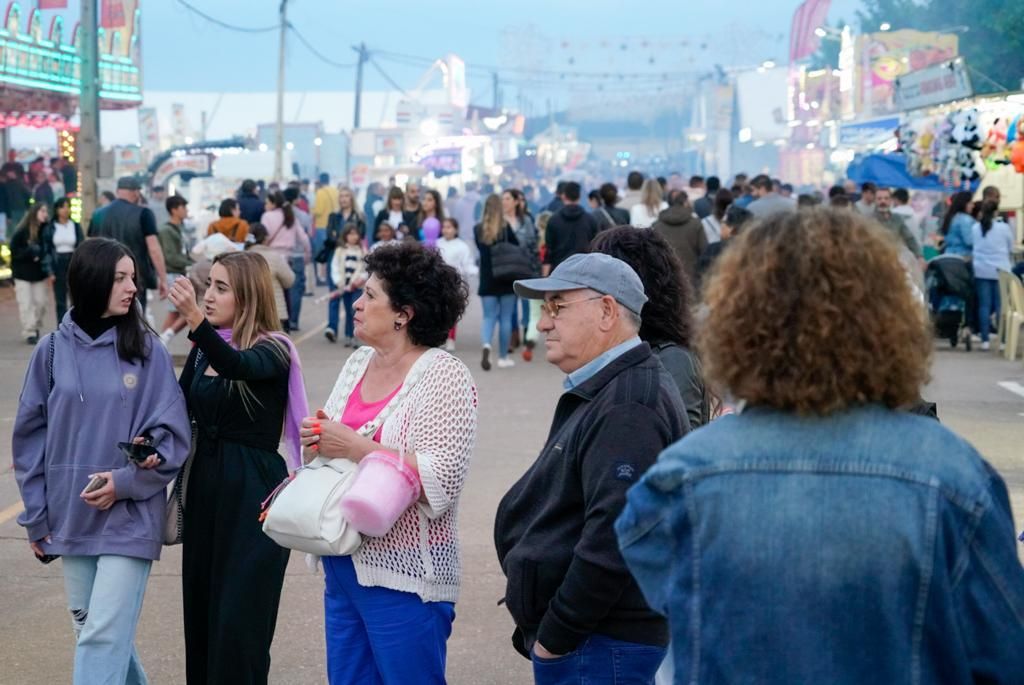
(601, 660)
(498, 311)
(319, 238)
(105, 599)
(297, 290)
(988, 303)
(379, 636)
(333, 306)
(350, 310)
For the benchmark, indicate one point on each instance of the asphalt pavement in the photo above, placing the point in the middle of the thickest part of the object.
(980, 395)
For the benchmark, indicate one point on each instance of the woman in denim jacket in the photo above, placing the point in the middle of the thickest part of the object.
(821, 534)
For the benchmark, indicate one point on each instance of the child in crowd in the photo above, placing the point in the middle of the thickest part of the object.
(385, 236)
(456, 254)
(348, 270)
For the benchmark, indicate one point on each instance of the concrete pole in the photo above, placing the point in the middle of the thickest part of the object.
(359, 85)
(279, 129)
(89, 109)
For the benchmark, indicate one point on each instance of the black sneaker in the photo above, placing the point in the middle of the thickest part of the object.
(485, 361)
(32, 339)
(331, 335)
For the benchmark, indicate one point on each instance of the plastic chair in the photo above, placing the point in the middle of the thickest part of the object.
(1015, 320)
(1005, 309)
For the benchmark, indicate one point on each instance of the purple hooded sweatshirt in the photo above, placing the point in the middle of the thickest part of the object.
(62, 436)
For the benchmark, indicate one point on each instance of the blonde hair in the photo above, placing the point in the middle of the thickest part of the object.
(650, 196)
(255, 310)
(493, 220)
(355, 205)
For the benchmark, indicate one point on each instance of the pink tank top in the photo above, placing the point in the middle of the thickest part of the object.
(358, 413)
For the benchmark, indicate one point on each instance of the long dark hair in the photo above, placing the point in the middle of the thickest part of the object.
(666, 316)
(438, 207)
(987, 214)
(90, 282)
(276, 198)
(31, 223)
(957, 204)
(723, 199)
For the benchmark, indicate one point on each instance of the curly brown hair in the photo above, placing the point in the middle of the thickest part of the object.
(812, 312)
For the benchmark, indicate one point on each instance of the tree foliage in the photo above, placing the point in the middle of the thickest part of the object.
(993, 47)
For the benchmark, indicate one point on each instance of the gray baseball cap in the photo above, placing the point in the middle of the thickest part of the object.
(128, 183)
(596, 271)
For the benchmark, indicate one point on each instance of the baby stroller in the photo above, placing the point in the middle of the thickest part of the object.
(950, 283)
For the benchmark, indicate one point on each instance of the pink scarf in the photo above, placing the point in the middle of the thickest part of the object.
(298, 408)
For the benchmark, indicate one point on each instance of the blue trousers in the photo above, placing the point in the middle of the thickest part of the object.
(498, 311)
(988, 303)
(600, 660)
(319, 238)
(332, 305)
(105, 599)
(297, 291)
(378, 636)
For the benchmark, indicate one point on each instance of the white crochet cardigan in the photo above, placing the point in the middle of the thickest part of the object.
(433, 415)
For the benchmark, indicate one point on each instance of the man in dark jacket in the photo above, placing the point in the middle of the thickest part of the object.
(569, 231)
(134, 226)
(684, 232)
(249, 203)
(575, 605)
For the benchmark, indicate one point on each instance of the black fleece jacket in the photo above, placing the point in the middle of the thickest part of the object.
(554, 531)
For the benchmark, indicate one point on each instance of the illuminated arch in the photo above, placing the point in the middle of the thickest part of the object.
(13, 18)
(35, 26)
(57, 30)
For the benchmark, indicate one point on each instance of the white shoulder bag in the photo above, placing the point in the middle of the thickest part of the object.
(304, 512)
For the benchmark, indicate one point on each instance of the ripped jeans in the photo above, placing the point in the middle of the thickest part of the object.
(105, 599)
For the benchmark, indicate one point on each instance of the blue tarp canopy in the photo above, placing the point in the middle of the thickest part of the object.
(891, 170)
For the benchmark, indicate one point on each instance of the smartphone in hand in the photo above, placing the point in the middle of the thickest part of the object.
(137, 451)
(95, 484)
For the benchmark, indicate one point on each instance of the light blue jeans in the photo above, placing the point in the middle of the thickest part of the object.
(105, 599)
(498, 310)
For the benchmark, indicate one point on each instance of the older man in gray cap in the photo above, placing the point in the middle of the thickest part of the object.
(578, 612)
(134, 226)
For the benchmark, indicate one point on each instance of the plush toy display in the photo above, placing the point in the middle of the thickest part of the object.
(993, 150)
(1017, 152)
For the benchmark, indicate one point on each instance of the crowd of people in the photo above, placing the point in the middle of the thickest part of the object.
(741, 481)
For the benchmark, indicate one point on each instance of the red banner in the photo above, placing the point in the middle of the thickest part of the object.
(112, 14)
(53, 4)
(803, 42)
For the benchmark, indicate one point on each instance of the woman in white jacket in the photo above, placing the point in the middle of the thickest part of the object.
(645, 213)
(389, 606)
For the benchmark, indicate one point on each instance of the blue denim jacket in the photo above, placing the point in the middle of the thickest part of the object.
(960, 239)
(871, 546)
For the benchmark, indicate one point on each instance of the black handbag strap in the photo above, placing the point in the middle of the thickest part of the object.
(49, 364)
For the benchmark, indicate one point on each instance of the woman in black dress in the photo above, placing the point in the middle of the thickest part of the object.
(242, 382)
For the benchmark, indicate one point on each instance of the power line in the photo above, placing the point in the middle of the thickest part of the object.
(225, 25)
(309, 46)
(385, 75)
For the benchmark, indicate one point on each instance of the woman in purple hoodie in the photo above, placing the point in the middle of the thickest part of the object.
(102, 380)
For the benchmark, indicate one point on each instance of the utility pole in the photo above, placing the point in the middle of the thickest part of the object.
(279, 132)
(497, 96)
(89, 110)
(363, 57)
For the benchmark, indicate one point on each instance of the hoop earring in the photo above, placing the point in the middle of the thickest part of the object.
(398, 325)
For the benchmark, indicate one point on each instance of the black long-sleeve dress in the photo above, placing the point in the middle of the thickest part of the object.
(231, 572)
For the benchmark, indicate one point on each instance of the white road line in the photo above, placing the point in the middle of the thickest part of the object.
(1012, 386)
(309, 334)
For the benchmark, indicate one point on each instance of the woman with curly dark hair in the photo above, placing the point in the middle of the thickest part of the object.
(400, 395)
(851, 541)
(665, 320)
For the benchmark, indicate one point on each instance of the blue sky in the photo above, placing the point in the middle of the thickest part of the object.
(182, 51)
